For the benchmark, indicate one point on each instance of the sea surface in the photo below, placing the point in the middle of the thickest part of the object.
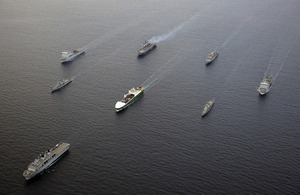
(247, 143)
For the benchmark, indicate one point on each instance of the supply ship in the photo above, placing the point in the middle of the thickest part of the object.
(265, 85)
(132, 95)
(146, 48)
(211, 57)
(67, 56)
(61, 84)
(45, 160)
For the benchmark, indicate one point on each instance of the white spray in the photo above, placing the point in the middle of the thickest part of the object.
(171, 34)
(159, 74)
(166, 36)
(278, 59)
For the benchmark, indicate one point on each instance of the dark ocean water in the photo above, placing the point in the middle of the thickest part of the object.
(160, 144)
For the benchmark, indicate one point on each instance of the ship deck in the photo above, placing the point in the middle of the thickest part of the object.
(146, 47)
(60, 148)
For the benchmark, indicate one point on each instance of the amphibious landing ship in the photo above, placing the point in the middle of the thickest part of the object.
(146, 48)
(132, 95)
(45, 160)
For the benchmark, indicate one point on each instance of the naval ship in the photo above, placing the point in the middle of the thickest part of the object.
(45, 160)
(265, 85)
(211, 57)
(61, 84)
(207, 107)
(132, 95)
(67, 56)
(145, 48)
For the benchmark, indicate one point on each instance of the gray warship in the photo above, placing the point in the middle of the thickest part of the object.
(146, 48)
(45, 160)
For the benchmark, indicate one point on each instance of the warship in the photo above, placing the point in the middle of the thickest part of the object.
(211, 57)
(45, 160)
(146, 48)
(61, 84)
(67, 56)
(265, 85)
(207, 107)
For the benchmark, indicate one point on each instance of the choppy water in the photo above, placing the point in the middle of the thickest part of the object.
(160, 144)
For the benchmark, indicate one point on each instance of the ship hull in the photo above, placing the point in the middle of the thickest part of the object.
(46, 166)
(72, 57)
(263, 93)
(130, 102)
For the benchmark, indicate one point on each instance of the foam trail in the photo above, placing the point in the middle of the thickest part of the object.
(228, 40)
(83, 72)
(220, 91)
(77, 75)
(154, 79)
(96, 58)
(154, 82)
(237, 30)
(277, 61)
(91, 45)
(158, 75)
(171, 34)
(265, 74)
(106, 37)
(87, 69)
(295, 40)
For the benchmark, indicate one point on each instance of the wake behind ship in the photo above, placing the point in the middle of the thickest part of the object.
(146, 48)
(61, 84)
(67, 56)
(45, 160)
(265, 85)
(132, 95)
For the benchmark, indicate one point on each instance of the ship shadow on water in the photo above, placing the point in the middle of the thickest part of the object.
(263, 97)
(45, 173)
(211, 63)
(262, 100)
(69, 63)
